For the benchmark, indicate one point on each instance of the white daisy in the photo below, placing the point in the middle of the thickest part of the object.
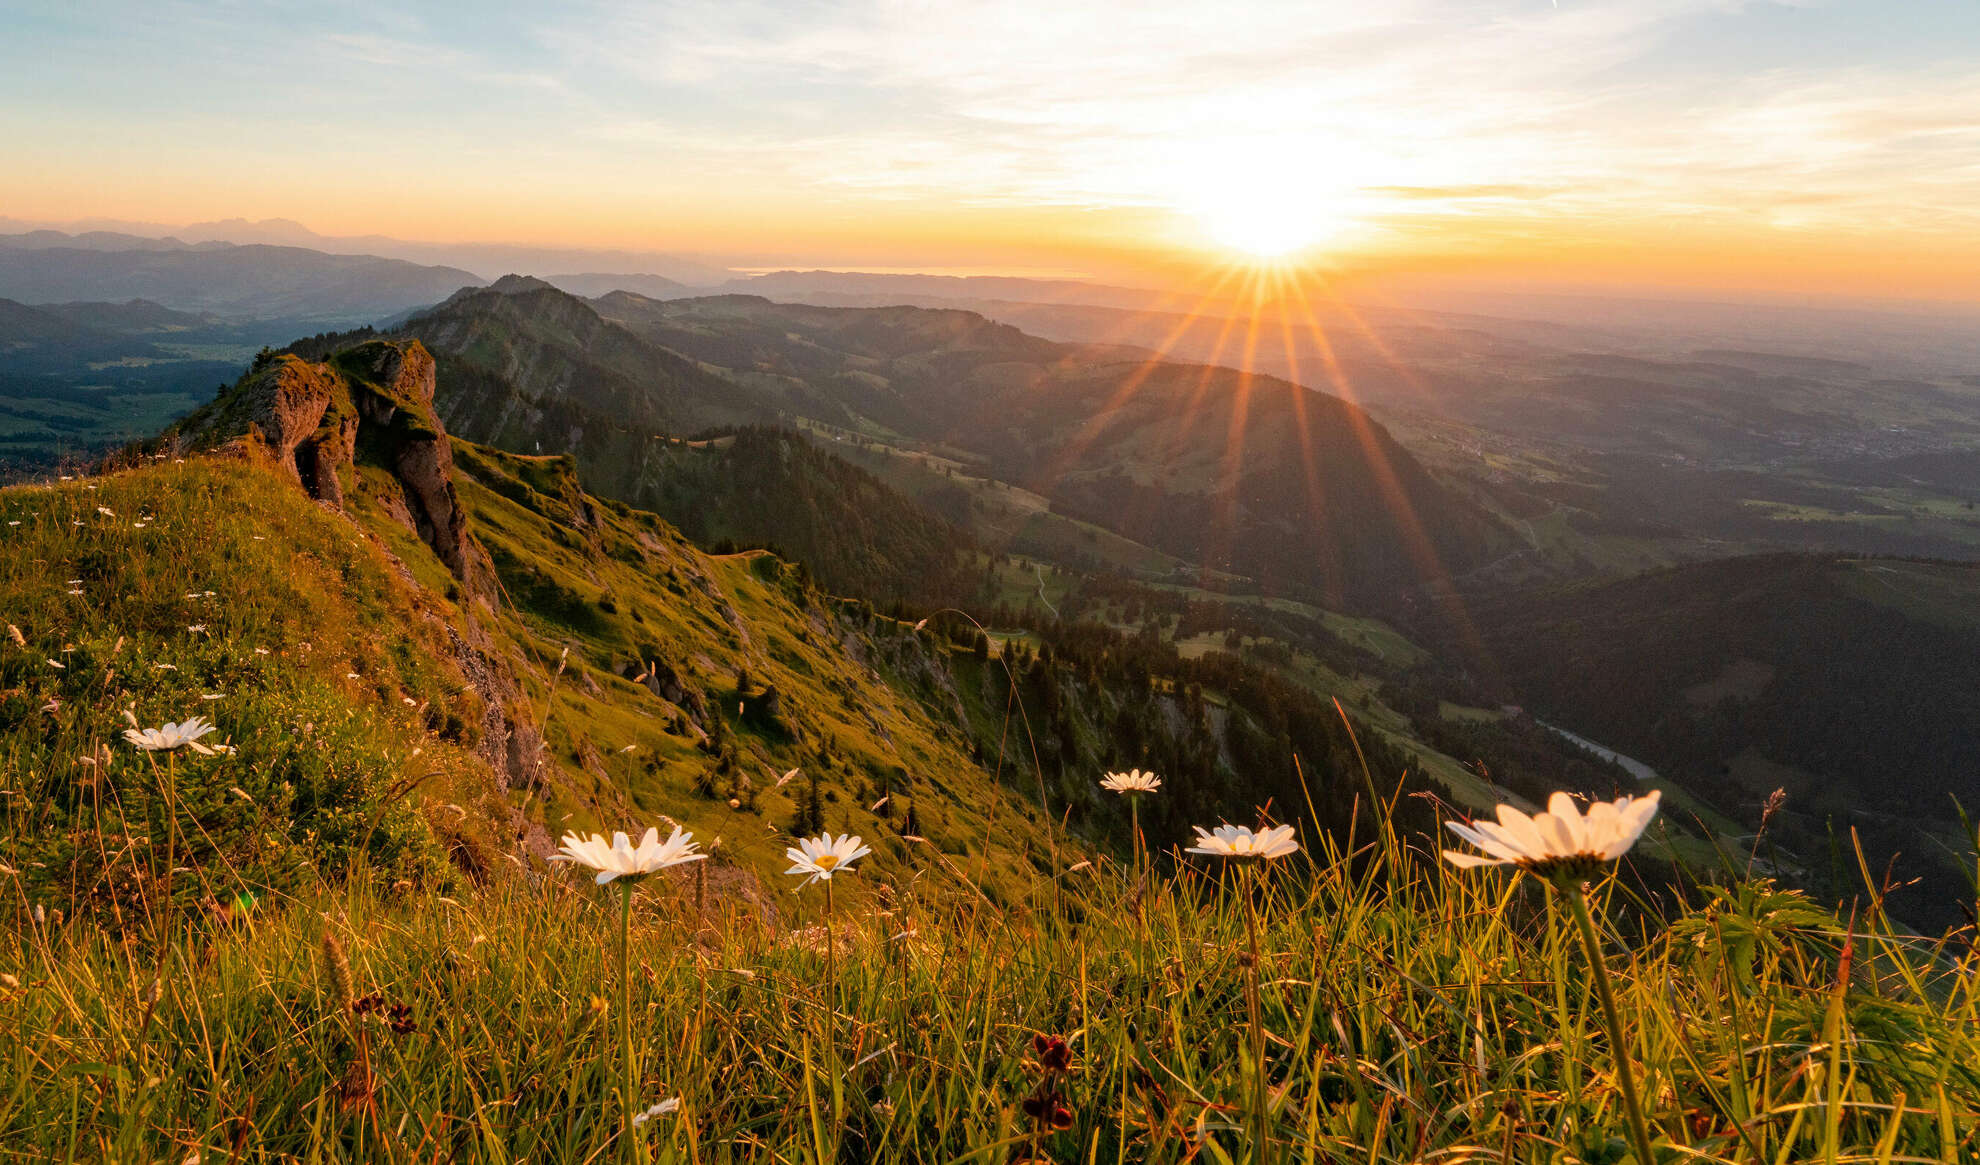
(171, 736)
(1238, 841)
(1560, 841)
(825, 855)
(619, 859)
(1132, 781)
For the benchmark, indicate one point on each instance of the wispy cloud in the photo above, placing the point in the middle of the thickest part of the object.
(1394, 116)
(1419, 101)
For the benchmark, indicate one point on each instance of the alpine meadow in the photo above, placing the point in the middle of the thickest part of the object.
(1275, 583)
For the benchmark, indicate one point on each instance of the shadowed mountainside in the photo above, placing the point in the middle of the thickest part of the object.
(1249, 474)
(1847, 682)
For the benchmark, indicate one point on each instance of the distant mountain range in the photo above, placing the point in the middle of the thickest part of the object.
(489, 259)
(250, 282)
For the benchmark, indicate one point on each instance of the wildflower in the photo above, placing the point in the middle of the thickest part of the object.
(1047, 1103)
(15, 633)
(171, 736)
(1566, 848)
(261, 651)
(1560, 842)
(1237, 841)
(106, 511)
(1132, 781)
(619, 859)
(57, 664)
(671, 1104)
(196, 628)
(824, 855)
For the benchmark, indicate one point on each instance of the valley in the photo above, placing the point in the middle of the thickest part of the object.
(1209, 519)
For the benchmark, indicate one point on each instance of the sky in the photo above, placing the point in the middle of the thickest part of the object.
(1810, 147)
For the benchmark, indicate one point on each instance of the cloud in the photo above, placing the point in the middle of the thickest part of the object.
(1391, 115)
(1419, 101)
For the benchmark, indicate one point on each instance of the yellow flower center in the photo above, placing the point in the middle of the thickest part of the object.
(826, 862)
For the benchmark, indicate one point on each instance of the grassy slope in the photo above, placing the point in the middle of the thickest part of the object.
(216, 579)
(1416, 1014)
(855, 691)
(360, 690)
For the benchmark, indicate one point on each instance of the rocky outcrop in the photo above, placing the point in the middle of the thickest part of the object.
(392, 386)
(373, 404)
(292, 407)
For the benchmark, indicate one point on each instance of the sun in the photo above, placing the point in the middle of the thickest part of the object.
(1266, 225)
(1266, 209)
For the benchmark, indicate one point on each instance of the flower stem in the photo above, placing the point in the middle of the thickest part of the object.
(831, 966)
(629, 1085)
(1140, 878)
(1259, 1139)
(1625, 1076)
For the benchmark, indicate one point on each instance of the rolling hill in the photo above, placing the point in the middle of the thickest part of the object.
(1247, 474)
(530, 369)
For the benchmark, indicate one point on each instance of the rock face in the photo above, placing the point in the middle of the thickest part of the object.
(371, 404)
(393, 391)
(290, 404)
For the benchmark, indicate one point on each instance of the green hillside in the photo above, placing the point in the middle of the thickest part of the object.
(569, 662)
(331, 933)
(506, 655)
